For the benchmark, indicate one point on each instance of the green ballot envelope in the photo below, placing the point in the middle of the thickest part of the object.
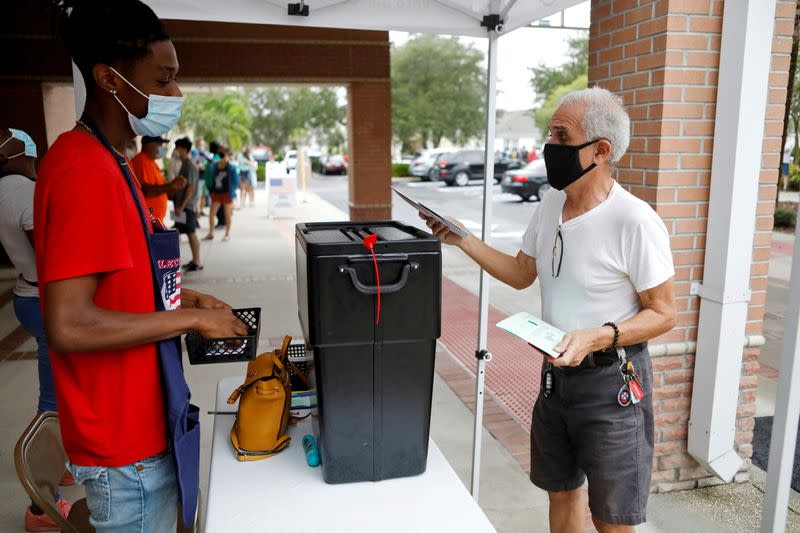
(533, 330)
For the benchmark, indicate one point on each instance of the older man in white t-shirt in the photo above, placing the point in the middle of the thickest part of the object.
(605, 268)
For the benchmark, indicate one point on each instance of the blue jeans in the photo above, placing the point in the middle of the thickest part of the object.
(29, 314)
(141, 497)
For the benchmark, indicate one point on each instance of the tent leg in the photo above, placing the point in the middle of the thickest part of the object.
(486, 231)
(787, 412)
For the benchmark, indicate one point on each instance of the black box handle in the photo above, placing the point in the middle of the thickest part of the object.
(373, 289)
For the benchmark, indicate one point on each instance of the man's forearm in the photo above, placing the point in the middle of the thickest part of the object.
(156, 190)
(499, 265)
(645, 325)
(96, 328)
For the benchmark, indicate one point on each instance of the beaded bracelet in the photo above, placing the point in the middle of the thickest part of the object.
(616, 334)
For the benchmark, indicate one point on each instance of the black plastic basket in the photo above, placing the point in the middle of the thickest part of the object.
(297, 355)
(230, 350)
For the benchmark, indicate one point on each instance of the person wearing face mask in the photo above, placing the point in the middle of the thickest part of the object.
(109, 280)
(17, 175)
(155, 188)
(603, 260)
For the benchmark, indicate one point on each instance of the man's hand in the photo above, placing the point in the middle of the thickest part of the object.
(576, 345)
(197, 300)
(440, 230)
(219, 324)
(177, 184)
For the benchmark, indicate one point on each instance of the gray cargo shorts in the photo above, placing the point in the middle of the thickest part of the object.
(580, 432)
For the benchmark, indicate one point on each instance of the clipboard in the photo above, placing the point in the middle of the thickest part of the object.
(455, 228)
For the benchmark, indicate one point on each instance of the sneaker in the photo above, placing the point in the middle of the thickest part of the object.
(35, 523)
(67, 480)
(192, 267)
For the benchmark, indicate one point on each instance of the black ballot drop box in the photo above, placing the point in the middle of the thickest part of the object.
(373, 381)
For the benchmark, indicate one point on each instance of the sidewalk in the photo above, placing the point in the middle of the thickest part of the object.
(256, 268)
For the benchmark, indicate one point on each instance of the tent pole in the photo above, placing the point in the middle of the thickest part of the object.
(787, 412)
(488, 186)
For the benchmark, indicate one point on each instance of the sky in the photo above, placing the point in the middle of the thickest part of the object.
(524, 48)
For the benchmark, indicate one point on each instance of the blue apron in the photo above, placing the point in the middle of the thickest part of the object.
(183, 418)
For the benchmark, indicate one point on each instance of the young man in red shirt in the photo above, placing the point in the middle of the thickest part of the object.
(97, 282)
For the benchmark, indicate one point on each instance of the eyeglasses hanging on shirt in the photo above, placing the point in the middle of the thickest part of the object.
(558, 248)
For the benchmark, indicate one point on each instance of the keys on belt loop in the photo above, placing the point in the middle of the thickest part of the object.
(631, 390)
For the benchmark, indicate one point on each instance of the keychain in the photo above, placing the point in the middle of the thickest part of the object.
(624, 397)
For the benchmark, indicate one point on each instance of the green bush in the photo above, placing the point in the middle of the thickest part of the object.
(316, 164)
(261, 172)
(399, 170)
(785, 218)
(794, 178)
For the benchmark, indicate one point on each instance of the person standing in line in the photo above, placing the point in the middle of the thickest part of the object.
(213, 156)
(224, 185)
(185, 201)
(603, 260)
(109, 280)
(17, 181)
(248, 174)
(154, 186)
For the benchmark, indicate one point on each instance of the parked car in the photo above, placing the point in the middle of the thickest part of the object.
(433, 171)
(459, 168)
(290, 159)
(334, 164)
(528, 181)
(421, 166)
(261, 154)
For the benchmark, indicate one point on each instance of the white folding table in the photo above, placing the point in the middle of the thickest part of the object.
(283, 494)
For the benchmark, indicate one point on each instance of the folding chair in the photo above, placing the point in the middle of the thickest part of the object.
(40, 458)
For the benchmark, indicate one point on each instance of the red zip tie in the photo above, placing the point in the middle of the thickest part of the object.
(369, 243)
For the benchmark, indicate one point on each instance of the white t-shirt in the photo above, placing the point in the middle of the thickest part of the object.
(611, 253)
(16, 217)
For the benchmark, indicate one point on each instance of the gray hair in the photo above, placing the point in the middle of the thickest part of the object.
(605, 117)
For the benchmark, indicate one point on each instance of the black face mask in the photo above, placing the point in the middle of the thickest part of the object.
(563, 164)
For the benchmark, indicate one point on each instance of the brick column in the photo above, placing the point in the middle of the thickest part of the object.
(369, 132)
(662, 57)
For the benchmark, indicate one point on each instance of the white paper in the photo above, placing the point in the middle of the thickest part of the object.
(455, 228)
(179, 218)
(535, 331)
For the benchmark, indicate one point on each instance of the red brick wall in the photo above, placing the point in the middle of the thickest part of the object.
(662, 57)
(369, 132)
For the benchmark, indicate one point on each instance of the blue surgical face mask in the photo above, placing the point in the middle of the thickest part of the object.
(163, 112)
(30, 146)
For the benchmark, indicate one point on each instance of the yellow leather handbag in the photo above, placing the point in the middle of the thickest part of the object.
(262, 420)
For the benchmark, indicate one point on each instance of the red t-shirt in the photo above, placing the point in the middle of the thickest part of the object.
(148, 173)
(110, 402)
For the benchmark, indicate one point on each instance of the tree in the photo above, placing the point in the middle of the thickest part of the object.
(280, 113)
(545, 112)
(437, 90)
(222, 116)
(546, 79)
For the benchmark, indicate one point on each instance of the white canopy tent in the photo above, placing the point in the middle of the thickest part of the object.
(491, 19)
